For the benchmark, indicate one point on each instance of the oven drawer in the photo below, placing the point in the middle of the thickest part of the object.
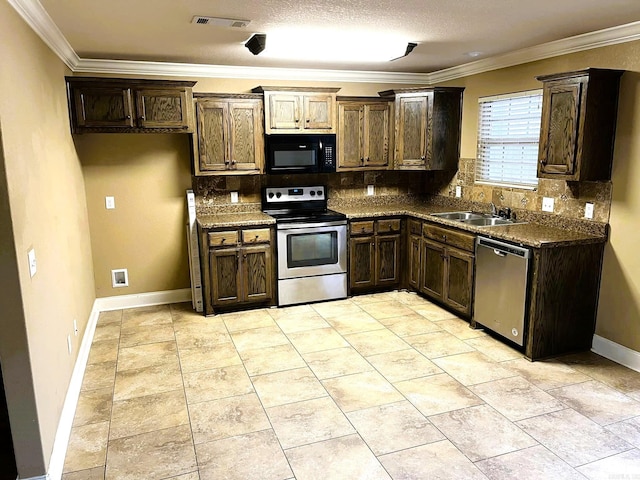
(223, 239)
(362, 228)
(389, 226)
(256, 235)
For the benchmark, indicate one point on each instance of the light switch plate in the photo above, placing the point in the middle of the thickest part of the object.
(371, 190)
(588, 210)
(31, 256)
(234, 197)
(110, 203)
(547, 204)
(458, 191)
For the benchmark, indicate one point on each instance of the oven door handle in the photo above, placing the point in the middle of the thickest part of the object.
(306, 226)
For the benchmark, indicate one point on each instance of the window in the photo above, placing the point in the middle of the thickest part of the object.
(508, 135)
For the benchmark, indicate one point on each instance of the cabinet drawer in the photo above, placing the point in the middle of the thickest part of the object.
(415, 227)
(388, 226)
(455, 238)
(256, 235)
(362, 228)
(223, 239)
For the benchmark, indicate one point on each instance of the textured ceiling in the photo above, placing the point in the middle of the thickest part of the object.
(445, 30)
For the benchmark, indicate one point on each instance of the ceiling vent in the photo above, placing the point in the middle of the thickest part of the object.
(220, 22)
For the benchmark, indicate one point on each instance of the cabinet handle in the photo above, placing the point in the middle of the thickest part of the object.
(308, 120)
(223, 240)
(142, 117)
(127, 117)
(367, 159)
(362, 160)
(297, 120)
(422, 157)
(444, 237)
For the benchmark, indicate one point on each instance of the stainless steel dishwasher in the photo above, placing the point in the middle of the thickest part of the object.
(500, 288)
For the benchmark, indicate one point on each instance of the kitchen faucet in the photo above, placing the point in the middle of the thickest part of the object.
(494, 210)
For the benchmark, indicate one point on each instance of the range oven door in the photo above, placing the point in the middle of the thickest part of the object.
(311, 249)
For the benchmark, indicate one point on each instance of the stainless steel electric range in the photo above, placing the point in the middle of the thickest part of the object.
(311, 244)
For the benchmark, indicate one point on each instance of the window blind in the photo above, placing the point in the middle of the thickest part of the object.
(508, 135)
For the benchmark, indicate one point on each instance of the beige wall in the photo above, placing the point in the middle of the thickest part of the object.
(42, 205)
(148, 175)
(619, 304)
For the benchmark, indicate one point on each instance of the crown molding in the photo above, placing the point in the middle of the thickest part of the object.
(587, 41)
(39, 20)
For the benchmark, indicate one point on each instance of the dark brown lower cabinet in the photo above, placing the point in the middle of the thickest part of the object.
(414, 246)
(447, 267)
(374, 256)
(239, 269)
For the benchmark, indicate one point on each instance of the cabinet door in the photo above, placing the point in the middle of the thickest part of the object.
(350, 133)
(411, 135)
(459, 280)
(433, 269)
(163, 108)
(376, 135)
(224, 269)
(413, 259)
(362, 258)
(285, 112)
(387, 260)
(560, 126)
(213, 134)
(103, 107)
(257, 273)
(318, 112)
(246, 138)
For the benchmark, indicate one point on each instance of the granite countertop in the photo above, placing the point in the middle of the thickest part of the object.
(531, 234)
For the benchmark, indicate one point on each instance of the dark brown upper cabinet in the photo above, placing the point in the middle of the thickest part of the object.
(577, 133)
(427, 127)
(119, 105)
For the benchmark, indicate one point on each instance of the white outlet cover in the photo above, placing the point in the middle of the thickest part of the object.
(69, 343)
(31, 256)
(110, 203)
(458, 191)
(371, 190)
(234, 197)
(588, 210)
(547, 204)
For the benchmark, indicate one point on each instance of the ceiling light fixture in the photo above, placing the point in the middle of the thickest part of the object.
(474, 54)
(410, 47)
(256, 43)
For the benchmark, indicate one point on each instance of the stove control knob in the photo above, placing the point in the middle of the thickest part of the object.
(312, 193)
(278, 195)
(319, 193)
(270, 194)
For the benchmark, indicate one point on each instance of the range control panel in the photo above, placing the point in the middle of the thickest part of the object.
(295, 194)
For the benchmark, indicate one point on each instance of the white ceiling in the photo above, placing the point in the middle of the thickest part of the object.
(445, 30)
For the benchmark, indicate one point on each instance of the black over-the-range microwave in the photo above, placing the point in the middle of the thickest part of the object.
(299, 153)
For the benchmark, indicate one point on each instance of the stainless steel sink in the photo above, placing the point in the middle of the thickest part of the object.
(487, 222)
(459, 215)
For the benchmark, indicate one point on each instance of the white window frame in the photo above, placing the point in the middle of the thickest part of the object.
(508, 138)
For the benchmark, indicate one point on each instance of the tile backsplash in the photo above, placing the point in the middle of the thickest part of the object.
(570, 197)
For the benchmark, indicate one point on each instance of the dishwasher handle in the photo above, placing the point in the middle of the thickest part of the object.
(502, 249)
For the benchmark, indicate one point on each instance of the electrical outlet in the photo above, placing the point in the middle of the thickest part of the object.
(371, 190)
(75, 327)
(588, 210)
(69, 343)
(234, 197)
(458, 191)
(547, 204)
(110, 202)
(31, 256)
(119, 278)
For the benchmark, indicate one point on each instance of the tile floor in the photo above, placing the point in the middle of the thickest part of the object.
(374, 387)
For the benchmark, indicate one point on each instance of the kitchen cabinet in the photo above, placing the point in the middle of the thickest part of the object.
(579, 111)
(447, 267)
(295, 110)
(374, 261)
(114, 105)
(238, 268)
(230, 136)
(427, 127)
(363, 133)
(414, 249)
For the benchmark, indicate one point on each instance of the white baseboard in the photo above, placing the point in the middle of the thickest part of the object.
(616, 352)
(143, 299)
(61, 442)
(43, 477)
